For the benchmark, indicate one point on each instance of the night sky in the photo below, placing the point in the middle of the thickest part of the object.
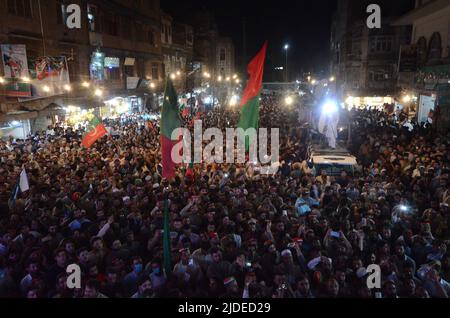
(304, 24)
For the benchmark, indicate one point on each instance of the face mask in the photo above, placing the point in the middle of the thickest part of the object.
(138, 268)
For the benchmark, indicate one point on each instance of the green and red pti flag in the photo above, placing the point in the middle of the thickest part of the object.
(250, 99)
(170, 120)
(95, 131)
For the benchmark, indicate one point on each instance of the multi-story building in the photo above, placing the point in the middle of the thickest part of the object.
(177, 48)
(364, 61)
(116, 53)
(429, 78)
(213, 54)
(224, 57)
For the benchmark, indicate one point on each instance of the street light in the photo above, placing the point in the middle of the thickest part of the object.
(286, 48)
(289, 100)
(329, 107)
(98, 92)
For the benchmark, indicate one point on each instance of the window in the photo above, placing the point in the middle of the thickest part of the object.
(189, 38)
(155, 73)
(166, 33)
(21, 8)
(381, 44)
(435, 49)
(422, 50)
(151, 37)
(222, 55)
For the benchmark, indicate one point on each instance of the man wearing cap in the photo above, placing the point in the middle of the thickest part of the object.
(305, 203)
(231, 288)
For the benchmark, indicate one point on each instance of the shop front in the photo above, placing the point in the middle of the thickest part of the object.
(362, 102)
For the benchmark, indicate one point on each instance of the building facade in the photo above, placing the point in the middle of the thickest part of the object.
(177, 48)
(364, 61)
(429, 78)
(117, 52)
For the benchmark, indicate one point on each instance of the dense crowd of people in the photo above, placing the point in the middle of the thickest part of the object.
(234, 233)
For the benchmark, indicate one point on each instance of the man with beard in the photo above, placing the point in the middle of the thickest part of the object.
(145, 289)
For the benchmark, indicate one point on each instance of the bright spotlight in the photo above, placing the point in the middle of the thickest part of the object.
(233, 101)
(406, 99)
(85, 84)
(2, 80)
(330, 107)
(289, 100)
(67, 88)
(332, 79)
(26, 79)
(286, 46)
(46, 89)
(403, 208)
(208, 100)
(152, 85)
(98, 92)
(349, 100)
(172, 76)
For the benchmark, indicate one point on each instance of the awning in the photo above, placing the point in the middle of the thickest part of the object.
(442, 68)
(18, 116)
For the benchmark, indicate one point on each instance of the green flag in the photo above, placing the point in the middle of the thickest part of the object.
(250, 100)
(166, 240)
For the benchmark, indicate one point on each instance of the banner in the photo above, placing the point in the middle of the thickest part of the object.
(49, 76)
(14, 58)
(408, 58)
(15, 65)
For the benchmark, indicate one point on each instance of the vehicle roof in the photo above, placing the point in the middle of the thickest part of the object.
(339, 159)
